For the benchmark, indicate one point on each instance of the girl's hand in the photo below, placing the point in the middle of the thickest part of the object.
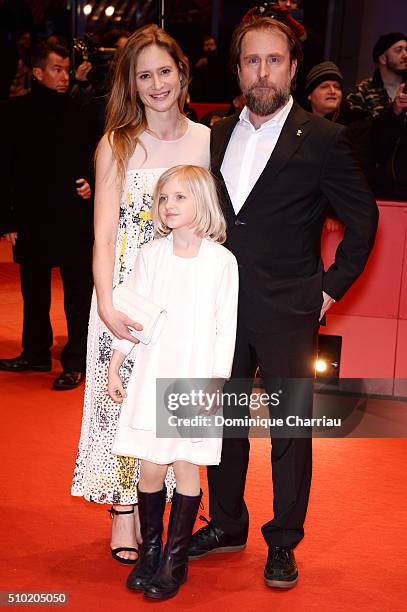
(115, 388)
(213, 394)
(118, 323)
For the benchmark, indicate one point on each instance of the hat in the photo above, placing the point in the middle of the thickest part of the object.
(385, 42)
(326, 71)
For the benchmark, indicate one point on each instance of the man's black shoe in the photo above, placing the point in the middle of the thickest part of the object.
(211, 539)
(68, 379)
(281, 569)
(21, 364)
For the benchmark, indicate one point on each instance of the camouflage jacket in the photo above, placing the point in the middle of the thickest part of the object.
(369, 96)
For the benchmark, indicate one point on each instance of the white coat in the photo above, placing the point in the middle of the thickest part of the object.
(210, 346)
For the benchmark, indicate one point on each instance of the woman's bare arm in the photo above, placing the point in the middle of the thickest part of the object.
(107, 203)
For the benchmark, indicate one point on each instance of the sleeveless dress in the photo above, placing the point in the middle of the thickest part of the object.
(100, 476)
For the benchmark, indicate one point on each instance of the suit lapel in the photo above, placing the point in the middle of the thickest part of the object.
(220, 142)
(293, 134)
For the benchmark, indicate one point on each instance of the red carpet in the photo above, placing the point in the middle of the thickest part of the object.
(354, 555)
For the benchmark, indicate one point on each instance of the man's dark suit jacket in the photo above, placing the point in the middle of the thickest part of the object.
(276, 235)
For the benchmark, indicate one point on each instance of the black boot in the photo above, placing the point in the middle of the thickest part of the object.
(151, 508)
(173, 570)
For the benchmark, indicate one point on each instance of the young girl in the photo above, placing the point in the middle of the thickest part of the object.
(195, 279)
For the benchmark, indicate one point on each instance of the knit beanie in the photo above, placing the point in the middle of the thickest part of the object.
(385, 42)
(326, 71)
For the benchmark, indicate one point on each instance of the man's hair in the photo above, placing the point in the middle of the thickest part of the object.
(264, 23)
(40, 54)
(210, 37)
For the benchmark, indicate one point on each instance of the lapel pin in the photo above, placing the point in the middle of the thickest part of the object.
(299, 132)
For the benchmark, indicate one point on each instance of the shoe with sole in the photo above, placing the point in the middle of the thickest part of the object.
(211, 539)
(113, 512)
(151, 507)
(173, 569)
(21, 364)
(281, 569)
(68, 379)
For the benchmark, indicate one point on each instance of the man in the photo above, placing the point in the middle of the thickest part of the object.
(383, 98)
(295, 10)
(324, 90)
(281, 11)
(389, 136)
(48, 215)
(210, 82)
(277, 165)
(375, 94)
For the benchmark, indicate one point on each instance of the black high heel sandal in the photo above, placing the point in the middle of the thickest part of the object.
(115, 551)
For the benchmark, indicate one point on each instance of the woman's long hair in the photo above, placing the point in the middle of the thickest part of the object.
(126, 118)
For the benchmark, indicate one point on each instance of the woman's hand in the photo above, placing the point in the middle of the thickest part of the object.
(115, 387)
(118, 323)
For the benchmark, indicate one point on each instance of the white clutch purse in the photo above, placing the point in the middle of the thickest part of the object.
(141, 310)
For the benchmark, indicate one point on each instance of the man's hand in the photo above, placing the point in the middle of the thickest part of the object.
(11, 237)
(82, 71)
(84, 191)
(332, 225)
(201, 62)
(400, 101)
(327, 303)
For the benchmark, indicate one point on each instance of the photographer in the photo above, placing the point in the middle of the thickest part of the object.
(210, 76)
(91, 91)
(280, 10)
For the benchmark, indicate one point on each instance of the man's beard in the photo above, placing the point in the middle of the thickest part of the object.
(265, 99)
(396, 68)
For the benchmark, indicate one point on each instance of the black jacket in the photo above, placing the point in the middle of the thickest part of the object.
(46, 152)
(276, 235)
(390, 153)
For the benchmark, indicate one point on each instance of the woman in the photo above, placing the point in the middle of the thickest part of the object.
(146, 132)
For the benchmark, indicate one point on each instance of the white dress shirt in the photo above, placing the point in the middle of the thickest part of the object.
(248, 152)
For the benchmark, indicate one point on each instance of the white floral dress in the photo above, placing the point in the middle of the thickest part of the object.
(100, 476)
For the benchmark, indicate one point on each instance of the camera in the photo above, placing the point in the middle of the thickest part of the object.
(268, 9)
(265, 9)
(88, 49)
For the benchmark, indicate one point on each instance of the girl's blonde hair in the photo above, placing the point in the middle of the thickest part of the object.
(209, 221)
(125, 115)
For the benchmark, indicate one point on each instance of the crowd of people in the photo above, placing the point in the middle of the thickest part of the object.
(233, 256)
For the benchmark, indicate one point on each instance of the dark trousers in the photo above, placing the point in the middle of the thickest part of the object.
(37, 338)
(286, 362)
